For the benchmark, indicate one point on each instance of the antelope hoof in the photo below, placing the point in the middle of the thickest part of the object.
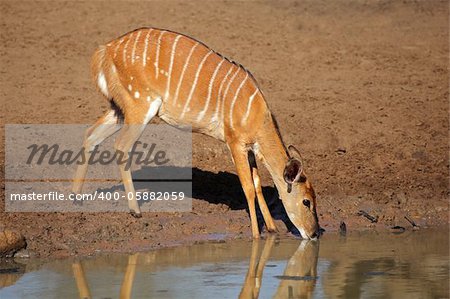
(135, 214)
(272, 230)
(256, 237)
(76, 202)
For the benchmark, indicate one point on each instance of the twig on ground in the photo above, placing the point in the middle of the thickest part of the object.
(370, 217)
(411, 221)
(398, 229)
(343, 228)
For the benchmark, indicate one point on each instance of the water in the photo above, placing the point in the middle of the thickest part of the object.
(360, 265)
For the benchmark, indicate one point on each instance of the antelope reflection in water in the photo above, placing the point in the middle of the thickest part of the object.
(299, 277)
(127, 283)
(297, 281)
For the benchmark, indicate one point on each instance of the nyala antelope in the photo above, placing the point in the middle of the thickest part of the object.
(152, 72)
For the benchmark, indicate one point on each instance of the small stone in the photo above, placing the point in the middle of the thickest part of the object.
(24, 253)
(10, 243)
(401, 198)
(341, 151)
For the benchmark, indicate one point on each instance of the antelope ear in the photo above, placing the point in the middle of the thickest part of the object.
(294, 153)
(292, 171)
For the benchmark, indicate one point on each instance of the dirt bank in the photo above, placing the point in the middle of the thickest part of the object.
(361, 87)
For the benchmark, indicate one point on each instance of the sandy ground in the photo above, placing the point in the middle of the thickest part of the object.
(361, 87)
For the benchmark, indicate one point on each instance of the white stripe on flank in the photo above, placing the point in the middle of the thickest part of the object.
(182, 73)
(200, 66)
(125, 49)
(250, 101)
(235, 98)
(144, 54)
(226, 92)
(153, 110)
(172, 56)
(102, 84)
(158, 47)
(133, 52)
(216, 112)
(117, 47)
(211, 83)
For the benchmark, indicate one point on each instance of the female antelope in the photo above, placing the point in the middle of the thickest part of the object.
(152, 72)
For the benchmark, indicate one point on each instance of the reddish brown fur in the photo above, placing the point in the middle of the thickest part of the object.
(134, 86)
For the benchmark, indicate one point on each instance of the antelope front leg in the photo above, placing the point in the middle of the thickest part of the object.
(240, 157)
(270, 224)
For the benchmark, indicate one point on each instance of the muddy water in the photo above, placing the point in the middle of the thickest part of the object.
(369, 265)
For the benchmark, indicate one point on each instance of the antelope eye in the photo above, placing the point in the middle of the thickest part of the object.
(306, 202)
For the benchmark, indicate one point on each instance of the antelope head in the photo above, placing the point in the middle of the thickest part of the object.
(300, 199)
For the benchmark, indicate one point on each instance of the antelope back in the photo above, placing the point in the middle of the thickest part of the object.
(197, 86)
